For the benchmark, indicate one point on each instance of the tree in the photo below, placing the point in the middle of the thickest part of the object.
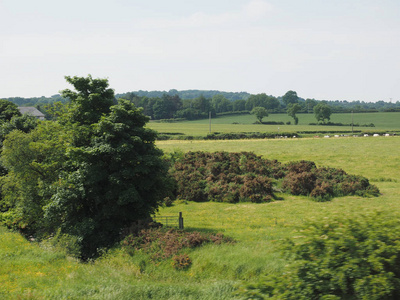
(262, 100)
(221, 104)
(292, 110)
(33, 161)
(322, 112)
(290, 98)
(239, 105)
(89, 175)
(260, 113)
(8, 110)
(310, 103)
(92, 100)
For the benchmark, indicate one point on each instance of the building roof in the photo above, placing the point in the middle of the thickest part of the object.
(30, 110)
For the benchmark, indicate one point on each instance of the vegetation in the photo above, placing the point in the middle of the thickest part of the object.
(322, 112)
(166, 243)
(341, 258)
(216, 270)
(292, 110)
(88, 175)
(59, 173)
(243, 177)
(230, 124)
(260, 113)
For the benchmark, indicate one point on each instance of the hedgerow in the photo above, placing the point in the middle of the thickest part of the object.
(244, 177)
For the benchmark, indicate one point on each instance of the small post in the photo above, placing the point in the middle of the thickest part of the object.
(180, 221)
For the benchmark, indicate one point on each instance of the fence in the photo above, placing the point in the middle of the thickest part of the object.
(170, 221)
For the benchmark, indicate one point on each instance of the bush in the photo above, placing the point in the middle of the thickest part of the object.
(181, 262)
(246, 177)
(341, 258)
(163, 243)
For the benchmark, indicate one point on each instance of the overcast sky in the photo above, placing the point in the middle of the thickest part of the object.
(322, 49)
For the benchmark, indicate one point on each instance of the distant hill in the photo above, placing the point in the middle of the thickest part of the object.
(190, 94)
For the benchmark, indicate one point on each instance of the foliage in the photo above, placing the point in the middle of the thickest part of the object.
(292, 110)
(340, 258)
(259, 112)
(163, 243)
(304, 178)
(225, 177)
(90, 174)
(290, 98)
(241, 177)
(8, 110)
(33, 161)
(322, 112)
(181, 261)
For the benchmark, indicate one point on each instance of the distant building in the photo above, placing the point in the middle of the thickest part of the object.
(33, 111)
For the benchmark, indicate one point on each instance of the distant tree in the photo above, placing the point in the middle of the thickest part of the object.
(221, 104)
(8, 110)
(290, 98)
(202, 104)
(310, 103)
(292, 110)
(239, 105)
(262, 100)
(260, 113)
(322, 112)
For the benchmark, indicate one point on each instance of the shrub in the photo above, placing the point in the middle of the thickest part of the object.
(163, 243)
(244, 176)
(341, 258)
(299, 183)
(181, 262)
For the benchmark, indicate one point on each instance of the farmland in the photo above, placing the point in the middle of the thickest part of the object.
(31, 271)
(244, 123)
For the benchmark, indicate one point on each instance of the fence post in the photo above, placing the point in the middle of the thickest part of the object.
(180, 221)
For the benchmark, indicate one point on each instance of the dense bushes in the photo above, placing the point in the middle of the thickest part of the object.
(304, 178)
(237, 177)
(342, 258)
(225, 177)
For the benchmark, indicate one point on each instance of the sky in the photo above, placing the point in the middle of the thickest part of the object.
(326, 50)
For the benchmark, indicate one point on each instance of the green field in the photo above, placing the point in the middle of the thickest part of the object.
(382, 121)
(30, 271)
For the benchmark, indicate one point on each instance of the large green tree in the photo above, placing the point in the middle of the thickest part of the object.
(101, 172)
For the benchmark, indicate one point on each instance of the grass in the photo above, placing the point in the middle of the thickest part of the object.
(383, 122)
(29, 271)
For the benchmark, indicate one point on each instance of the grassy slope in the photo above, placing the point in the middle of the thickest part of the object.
(29, 272)
(382, 121)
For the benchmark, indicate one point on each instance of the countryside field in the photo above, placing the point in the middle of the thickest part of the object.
(382, 121)
(31, 271)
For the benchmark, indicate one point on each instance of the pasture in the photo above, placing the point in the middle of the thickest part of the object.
(244, 123)
(32, 271)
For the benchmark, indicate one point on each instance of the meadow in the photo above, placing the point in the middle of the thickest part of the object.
(36, 271)
(244, 123)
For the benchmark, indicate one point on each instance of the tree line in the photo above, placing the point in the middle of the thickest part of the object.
(196, 104)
